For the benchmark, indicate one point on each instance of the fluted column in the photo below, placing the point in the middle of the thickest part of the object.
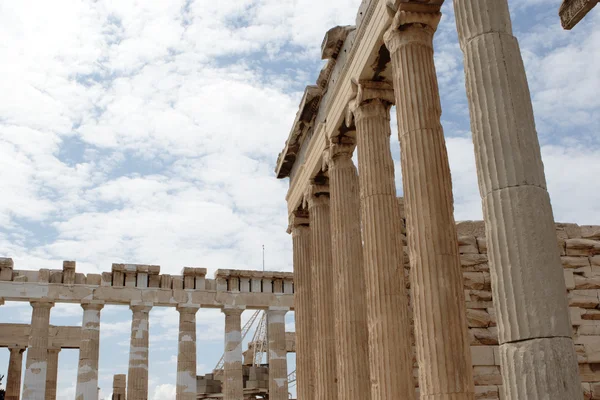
(303, 302)
(186, 356)
(234, 380)
(34, 384)
(322, 271)
(119, 386)
(278, 383)
(52, 374)
(441, 335)
(390, 350)
(350, 311)
(87, 372)
(538, 359)
(13, 380)
(137, 374)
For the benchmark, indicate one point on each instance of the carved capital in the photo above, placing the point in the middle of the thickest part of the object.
(573, 11)
(341, 153)
(316, 195)
(233, 311)
(298, 218)
(368, 92)
(411, 27)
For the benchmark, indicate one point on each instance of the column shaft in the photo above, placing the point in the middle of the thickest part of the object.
(234, 379)
(89, 350)
(137, 374)
(34, 385)
(119, 387)
(278, 384)
(52, 374)
(322, 271)
(441, 337)
(351, 331)
(186, 356)
(13, 380)
(303, 314)
(538, 359)
(390, 349)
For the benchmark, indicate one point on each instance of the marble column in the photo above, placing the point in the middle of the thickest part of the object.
(87, 372)
(278, 384)
(303, 312)
(34, 384)
(186, 357)
(119, 386)
(137, 374)
(52, 374)
(390, 349)
(324, 361)
(441, 332)
(350, 308)
(233, 384)
(13, 380)
(538, 359)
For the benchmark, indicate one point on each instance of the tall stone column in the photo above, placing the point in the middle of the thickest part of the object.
(538, 359)
(137, 374)
(34, 385)
(234, 380)
(390, 349)
(441, 334)
(326, 382)
(350, 311)
(52, 374)
(87, 372)
(13, 380)
(186, 353)
(278, 384)
(303, 301)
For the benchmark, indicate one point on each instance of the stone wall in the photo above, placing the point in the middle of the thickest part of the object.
(579, 247)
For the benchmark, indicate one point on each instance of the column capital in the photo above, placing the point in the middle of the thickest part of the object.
(15, 348)
(54, 350)
(371, 99)
(233, 310)
(418, 27)
(138, 306)
(42, 303)
(92, 305)
(274, 309)
(316, 194)
(297, 219)
(187, 308)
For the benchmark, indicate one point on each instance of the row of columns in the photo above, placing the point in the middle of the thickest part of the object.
(42, 362)
(41, 365)
(538, 358)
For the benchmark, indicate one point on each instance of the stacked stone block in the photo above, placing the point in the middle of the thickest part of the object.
(579, 247)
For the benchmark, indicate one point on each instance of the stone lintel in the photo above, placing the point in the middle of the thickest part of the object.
(573, 11)
(17, 336)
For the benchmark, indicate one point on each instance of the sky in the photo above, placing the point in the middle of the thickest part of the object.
(147, 132)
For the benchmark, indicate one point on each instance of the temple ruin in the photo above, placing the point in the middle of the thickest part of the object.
(347, 226)
(392, 298)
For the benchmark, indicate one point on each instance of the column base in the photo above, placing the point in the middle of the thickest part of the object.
(540, 369)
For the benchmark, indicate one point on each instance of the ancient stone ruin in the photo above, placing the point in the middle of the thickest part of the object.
(392, 298)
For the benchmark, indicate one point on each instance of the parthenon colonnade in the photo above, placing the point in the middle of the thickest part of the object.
(141, 288)
(387, 58)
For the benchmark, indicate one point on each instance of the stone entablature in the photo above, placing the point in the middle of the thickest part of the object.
(245, 281)
(128, 283)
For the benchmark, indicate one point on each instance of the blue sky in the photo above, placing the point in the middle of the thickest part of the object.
(147, 132)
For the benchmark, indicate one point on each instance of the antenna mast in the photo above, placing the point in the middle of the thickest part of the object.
(263, 246)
